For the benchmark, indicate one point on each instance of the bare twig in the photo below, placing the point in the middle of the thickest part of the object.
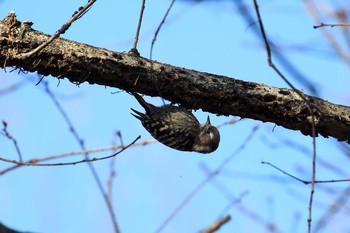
(313, 131)
(217, 224)
(12, 88)
(112, 172)
(297, 74)
(159, 27)
(82, 146)
(206, 180)
(237, 203)
(136, 39)
(305, 181)
(332, 25)
(9, 136)
(338, 204)
(230, 122)
(87, 160)
(338, 48)
(62, 30)
(142, 143)
(152, 44)
(95, 150)
(185, 201)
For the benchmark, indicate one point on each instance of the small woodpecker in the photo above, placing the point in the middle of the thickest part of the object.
(177, 127)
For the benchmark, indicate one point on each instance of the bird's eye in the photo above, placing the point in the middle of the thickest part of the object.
(209, 130)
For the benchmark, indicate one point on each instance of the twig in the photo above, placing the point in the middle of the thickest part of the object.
(12, 88)
(294, 177)
(90, 151)
(230, 122)
(333, 41)
(35, 163)
(338, 204)
(332, 25)
(159, 27)
(81, 143)
(152, 44)
(112, 172)
(206, 180)
(236, 202)
(9, 136)
(62, 30)
(304, 181)
(313, 130)
(136, 39)
(185, 201)
(217, 224)
(253, 214)
(142, 143)
(296, 73)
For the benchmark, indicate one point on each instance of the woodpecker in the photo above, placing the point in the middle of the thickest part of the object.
(177, 127)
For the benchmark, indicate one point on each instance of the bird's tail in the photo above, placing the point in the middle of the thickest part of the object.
(143, 103)
(138, 115)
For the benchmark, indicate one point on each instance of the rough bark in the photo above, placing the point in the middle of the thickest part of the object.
(192, 89)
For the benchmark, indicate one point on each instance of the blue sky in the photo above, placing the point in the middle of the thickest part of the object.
(151, 181)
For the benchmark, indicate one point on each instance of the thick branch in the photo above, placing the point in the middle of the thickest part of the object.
(213, 93)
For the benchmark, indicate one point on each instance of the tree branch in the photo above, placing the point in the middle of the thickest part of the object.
(192, 89)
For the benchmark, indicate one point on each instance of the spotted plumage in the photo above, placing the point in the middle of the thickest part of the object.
(177, 127)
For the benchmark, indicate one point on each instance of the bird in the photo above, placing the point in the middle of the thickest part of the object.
(177, 128)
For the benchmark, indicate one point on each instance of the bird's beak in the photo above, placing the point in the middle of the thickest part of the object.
(208, 121)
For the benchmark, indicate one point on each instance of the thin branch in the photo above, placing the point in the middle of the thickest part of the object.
(217, 224)
(330, 213)
(12, 88)
(159, 27)
(35, 163)
(156, 82)
(95, 150)
(82, 146)
(338, 48)
(296, 73)
(112, 172)
(294, 177)
(10, 137)
(304, 181)
(332, 25)
(230, 122)
(111, 148)
(313, 130)
(77, 15)
(236, 202)
(206, 180)
(136, 39)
